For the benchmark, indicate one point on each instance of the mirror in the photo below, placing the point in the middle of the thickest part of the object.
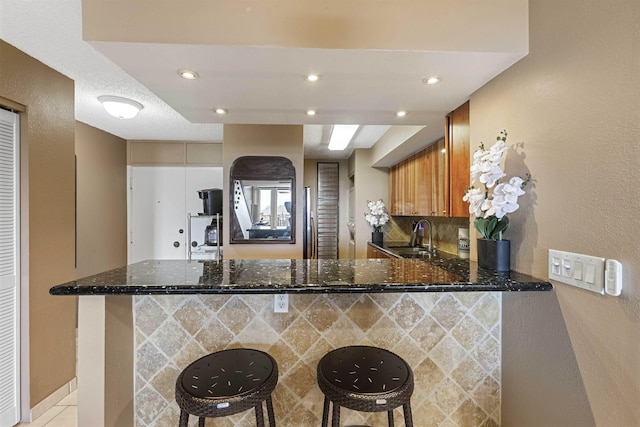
(262, 200)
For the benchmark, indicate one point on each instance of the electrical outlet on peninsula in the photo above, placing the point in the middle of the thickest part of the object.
(281, 303)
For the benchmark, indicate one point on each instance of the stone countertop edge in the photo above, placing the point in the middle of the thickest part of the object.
(284, 276)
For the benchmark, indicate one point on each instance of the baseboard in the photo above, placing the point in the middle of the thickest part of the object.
(53, 399)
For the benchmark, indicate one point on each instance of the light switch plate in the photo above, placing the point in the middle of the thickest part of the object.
(582, 271)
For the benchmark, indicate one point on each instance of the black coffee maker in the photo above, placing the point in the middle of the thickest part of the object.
(212, 205)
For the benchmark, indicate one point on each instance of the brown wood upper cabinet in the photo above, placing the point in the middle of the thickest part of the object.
(459, 150)
(418, 184)
(432, 181)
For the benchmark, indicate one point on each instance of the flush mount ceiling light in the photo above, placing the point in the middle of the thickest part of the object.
(312, 77)
(188, 74)
(431, 80)
(401, 113)
(121, 108)
(341, 136)
(220, 111)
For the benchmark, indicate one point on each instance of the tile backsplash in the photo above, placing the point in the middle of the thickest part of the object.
(445, 230)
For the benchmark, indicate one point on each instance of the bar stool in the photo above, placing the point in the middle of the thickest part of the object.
(225, 383)
(367, 379)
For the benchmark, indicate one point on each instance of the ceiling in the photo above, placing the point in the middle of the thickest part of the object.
(256, 84)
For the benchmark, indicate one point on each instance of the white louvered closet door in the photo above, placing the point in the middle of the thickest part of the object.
(9, 284)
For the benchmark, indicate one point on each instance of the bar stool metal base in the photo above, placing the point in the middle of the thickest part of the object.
(226, 383)
(366, 379)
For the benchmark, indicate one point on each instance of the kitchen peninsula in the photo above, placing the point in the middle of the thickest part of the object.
(141, 324)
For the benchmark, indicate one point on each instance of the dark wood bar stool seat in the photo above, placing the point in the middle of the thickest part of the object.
(367, 379)
(226, 383)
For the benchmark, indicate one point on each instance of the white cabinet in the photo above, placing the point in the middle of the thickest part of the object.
(159, 199)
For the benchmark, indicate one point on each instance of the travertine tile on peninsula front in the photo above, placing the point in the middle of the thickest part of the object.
(170, 338)
(236, 315)
(468, 332)
(164, 382)
(149, 315)
(487, 311)
(487, 395)
(149, 405)
(448, 311)
(468, 413)
(148, 359)
(192, 315)
(214, 335)
(301, 335)
(321, 313)
(468, 374)
(406, 313)
(427, 333)
(364, 313)
(343, 333)
(447, 395)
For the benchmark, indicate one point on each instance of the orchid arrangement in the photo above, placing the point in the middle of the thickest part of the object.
(491, 203)
(377, 215)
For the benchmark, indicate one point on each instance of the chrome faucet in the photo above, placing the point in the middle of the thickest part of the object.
(414, 233)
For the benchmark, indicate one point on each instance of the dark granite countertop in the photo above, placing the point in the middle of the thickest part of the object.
(273, 276)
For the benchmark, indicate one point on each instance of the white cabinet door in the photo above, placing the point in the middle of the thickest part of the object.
(157, 213)
(160, 198)
(9, 282)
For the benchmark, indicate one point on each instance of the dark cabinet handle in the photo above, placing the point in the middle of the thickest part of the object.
(181, 231)
(194, 244)
(176, 244)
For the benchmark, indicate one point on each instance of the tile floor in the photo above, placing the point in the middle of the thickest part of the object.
(64, 414)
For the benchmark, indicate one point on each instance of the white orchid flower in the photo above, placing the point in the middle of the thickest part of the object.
(475, 198)
(496, 199)
(490, 177)
(377, 215)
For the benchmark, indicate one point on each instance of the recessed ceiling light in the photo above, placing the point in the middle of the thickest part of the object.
(119, 107)
(401, 113)
(188, 74)
(220, 111)
(431, 80)
(311, 112)
(312, 77)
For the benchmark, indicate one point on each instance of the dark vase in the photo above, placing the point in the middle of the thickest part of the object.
(377, 238)
(494, 254)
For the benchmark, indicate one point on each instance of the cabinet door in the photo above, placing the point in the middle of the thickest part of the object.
(409, 190)
(160, 198)
(401, 188)
(459, 160)
(422, 178)
(393, 190)
(157, 212)
(438, 162)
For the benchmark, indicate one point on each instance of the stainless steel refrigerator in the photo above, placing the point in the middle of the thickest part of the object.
(308, 228)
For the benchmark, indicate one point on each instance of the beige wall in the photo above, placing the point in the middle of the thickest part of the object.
(47, 210)
(101, 200)
(264, 140)
(452, 25)
(311, 180)
(571, 357)
(370, 184)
